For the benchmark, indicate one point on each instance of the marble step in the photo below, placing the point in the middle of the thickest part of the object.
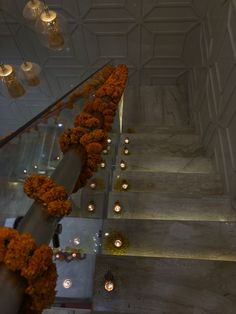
(163, 182)
(160, 163)
(173, 239)
(149, 128)
(170, 286)
(143, 144)
(149, 205)
(59, 310)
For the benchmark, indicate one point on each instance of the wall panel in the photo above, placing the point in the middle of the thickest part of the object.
(148, 36)
(213, 99)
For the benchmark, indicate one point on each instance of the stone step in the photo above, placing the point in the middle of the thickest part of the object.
(168, 144)
(141, 128)
(59, 310)
(170, 286)
(163, 182)
(149, 205)
(172, 239)
(160, 163)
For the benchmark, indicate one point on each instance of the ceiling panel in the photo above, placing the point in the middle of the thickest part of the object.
(146, 35)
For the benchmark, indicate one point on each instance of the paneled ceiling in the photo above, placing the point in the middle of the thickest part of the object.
(147, 35)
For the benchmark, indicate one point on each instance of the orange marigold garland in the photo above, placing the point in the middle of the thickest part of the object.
(6, 235)
(41, 292)
(38, 263)
(94, 82)
(20, 253)
(46, 191)
(92, 125)
(71, 137)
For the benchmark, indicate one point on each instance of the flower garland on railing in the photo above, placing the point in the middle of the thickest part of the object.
(44, 190)
(93, 83)
(96, 80)
(20, 254)
(92, 125)
(84, 90)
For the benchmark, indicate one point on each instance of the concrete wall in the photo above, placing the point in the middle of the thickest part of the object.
(210, 54)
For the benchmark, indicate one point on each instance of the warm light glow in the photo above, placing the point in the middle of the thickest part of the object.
(9, 79)
(74, 254)
(126, 140)
(92, 185)
(91, 206)
(35, 167)
(49, 26)
(6, 70)
(103, 165)
(106, 234)
(57, 256)
(122, 165)
(67, 283)
(126, 151)
(76, 241)
(118, 243)
(48, 16)
(109, 140)
(105, 151)
(25, 171)
(60, 125)
(117, 207)
(109, 285)
(124, 185)
(58, 157)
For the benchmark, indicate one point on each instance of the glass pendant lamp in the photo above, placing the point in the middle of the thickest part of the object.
(10, 82)
(33, 9)
(52, 28)
(29, 72)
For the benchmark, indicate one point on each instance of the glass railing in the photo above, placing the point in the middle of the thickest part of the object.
(34, 148)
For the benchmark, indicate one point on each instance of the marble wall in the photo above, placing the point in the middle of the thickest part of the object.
(210, 54)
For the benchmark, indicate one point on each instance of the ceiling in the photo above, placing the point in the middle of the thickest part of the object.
(147, 35)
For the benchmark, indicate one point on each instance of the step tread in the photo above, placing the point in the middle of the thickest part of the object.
(168, 182)
(163, 144)
(173, 239)
(151, 205)
(157, 163)
(160, 285)
(149, 129)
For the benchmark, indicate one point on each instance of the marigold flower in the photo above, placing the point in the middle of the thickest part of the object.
(19, 251)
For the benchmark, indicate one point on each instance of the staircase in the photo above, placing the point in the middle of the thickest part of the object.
(177, 223)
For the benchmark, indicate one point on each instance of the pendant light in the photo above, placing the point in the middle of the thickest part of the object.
(10, 81)
(32, 10)
(29, 72)
(51, 28)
